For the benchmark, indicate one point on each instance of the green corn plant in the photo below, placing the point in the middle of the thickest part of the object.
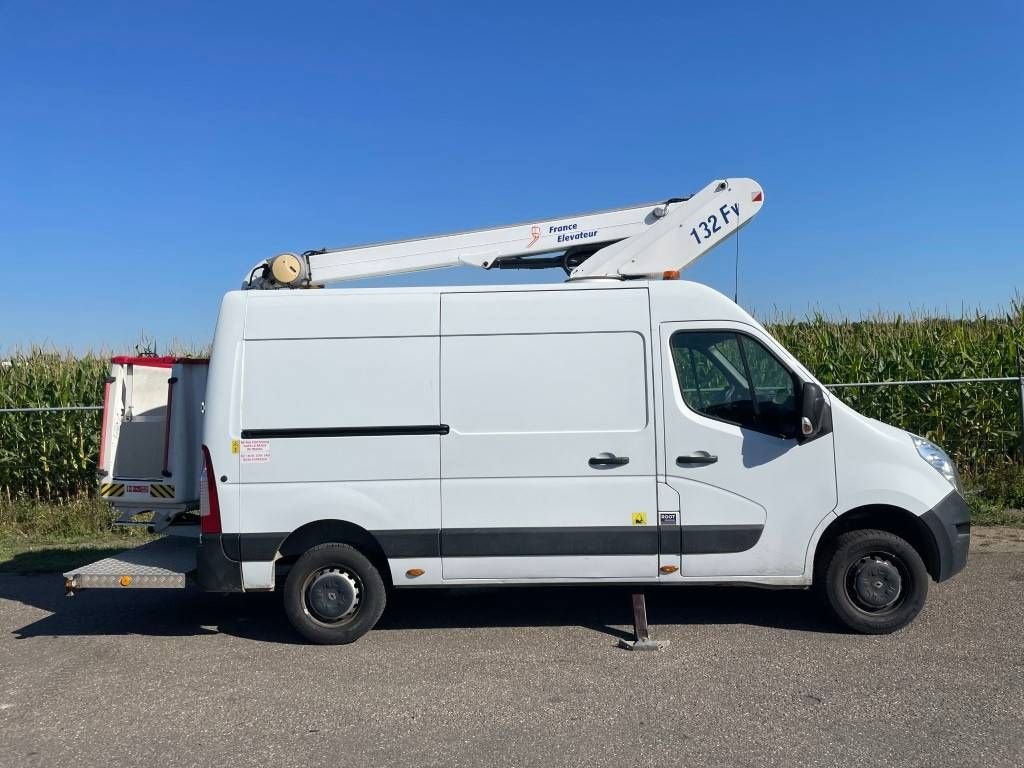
(49, 456)
(978, 423)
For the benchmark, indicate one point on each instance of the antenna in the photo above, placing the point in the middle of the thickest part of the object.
(736, 273)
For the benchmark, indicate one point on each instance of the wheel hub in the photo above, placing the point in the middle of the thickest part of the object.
(332, 595)
(877, 582)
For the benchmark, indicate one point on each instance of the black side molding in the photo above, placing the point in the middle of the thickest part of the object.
(539, 541)
(548, 542)
(388, 431)
(719, 539)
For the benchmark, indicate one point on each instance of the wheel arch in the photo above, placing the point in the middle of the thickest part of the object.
(335, 530)
(883, 517)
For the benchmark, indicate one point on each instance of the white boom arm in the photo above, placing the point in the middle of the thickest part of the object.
(687, 231)
(642, 241)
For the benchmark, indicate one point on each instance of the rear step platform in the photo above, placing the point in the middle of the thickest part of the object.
(161, 564)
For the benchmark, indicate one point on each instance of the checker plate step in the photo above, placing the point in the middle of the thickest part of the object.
(161, 564)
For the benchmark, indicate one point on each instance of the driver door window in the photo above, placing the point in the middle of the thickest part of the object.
(733, 378)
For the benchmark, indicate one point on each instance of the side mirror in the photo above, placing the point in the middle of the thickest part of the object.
(815, 413)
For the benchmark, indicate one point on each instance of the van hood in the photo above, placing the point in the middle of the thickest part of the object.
(889, 430)
(880, 428)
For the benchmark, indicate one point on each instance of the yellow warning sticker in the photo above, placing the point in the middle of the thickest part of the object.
(639, 518)
(236, 446)
(161, 491)
(111, 489)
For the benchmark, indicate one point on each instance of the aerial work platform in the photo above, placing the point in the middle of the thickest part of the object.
(150, 438)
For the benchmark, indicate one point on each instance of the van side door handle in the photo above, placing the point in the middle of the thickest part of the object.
(697, 458)
(605, 460)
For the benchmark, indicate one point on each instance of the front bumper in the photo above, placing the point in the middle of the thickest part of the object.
(950, 524)
(215, 571)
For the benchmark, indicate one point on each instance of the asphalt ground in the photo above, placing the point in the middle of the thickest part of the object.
(516, 677)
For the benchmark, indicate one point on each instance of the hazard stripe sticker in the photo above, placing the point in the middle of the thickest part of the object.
(161, 491)
(111, 489)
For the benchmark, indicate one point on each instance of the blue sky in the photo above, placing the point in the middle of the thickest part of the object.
(150, 153)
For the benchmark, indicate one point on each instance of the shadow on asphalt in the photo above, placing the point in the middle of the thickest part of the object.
(260, 616)
(60, 559)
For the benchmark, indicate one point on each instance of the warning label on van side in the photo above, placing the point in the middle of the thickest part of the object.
(255, 451)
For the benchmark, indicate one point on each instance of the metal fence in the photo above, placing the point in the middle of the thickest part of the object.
(1019, 378)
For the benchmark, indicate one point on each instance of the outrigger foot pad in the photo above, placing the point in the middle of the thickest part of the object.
(641, 631)
(643, 645)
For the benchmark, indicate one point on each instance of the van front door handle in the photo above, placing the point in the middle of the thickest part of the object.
(608, 460)
(696, 458)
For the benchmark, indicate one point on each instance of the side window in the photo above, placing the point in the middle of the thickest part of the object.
(731, 377)
(710, 372)
(775, 390)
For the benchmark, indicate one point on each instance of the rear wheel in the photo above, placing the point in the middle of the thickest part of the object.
(874, 581)
(333, 594)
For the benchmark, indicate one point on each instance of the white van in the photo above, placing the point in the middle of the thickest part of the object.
(640, 432)
(623, 427)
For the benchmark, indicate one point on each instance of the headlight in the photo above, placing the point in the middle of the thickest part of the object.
(939, 459)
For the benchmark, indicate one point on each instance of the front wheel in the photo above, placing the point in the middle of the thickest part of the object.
(333, 594)
(875, 582)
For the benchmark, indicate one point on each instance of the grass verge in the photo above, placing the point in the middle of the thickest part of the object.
(38, 537)
(44, 554)
(986, 513)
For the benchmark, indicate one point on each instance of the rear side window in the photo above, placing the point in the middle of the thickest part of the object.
(734, 378)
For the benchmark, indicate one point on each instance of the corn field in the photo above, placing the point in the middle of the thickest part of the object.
(52, 456)
(978, 423)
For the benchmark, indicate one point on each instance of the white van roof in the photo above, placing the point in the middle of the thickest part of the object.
(402, 311)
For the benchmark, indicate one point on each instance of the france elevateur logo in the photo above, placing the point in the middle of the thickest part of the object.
(534, 234)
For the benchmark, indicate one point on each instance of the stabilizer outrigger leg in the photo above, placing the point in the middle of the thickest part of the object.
(641, 630)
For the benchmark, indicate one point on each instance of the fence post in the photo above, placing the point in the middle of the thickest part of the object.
(1020, 386)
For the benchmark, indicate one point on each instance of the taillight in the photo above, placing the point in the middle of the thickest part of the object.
(209, 504)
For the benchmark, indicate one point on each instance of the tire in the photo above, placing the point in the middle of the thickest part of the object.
(874, 581)
(333, 594)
